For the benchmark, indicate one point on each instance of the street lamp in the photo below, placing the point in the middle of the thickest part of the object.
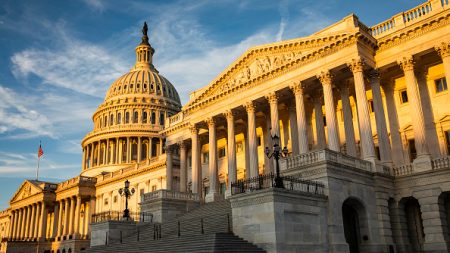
(127, 193)
(277, 153)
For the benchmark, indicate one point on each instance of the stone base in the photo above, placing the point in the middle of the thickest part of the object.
(422, 163)
(213, 196)
(105, 233)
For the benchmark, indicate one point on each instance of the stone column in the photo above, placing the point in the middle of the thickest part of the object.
(396, 140)
(83, 159)
(106, 154)
(252, 141)
(32, 221)
(423, 160)
(247, 154)
(42, 222)
(169, 168)
(23, 223)
(183, 167)
(272, 98)
(150, 147)
(196, 166)
(294, 130)
(434, 225)
(11, 225)
(139, 150)
(120, 153)
(320, 128)
(27, 222)
(350, 142)
(330, 111)
(380, 119)
(91, 159)
(99, 145)
(128, 156)
(66, 217)
(61, 208)
(231, 156)
(71, 217)
(55, 220)
(77, 218)
(36, 222)
(160, 146)
(213, 194)
(444, 51)
(297, 89)
(365, 129)
(90, 211)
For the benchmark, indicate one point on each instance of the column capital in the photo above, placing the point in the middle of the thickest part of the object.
(272, 98)
(169, 149)
(443, 49)
(210, 121)
(193, 128)
(250, 107)
(181, 145)
(406, 63)
(374, 75)
(356, 65)
(297, 88)
(229, 114)
(325, 77)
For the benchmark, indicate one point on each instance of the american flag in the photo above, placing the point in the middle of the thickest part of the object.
(40, 151)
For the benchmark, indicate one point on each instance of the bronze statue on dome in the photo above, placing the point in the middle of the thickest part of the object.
(145, 29)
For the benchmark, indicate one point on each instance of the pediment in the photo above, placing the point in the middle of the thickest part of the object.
(28, 188)
(258, 61)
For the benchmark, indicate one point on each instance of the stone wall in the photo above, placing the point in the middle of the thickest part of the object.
(279, 220)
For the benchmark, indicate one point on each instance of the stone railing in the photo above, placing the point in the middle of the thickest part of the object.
(175, 119)
(134, 167)
(324, 155)
(129, 126)
(441, 163)
(409, 17)
(402, 170)
(169, 194)
(80, 180)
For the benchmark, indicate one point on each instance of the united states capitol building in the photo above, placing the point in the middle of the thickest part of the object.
(364, 114)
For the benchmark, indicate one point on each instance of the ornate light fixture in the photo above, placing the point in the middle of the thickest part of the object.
(276, 154)
(127, 193)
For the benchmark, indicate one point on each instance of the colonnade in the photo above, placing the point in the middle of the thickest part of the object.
(120, 117)
(29, 222)
(38, 221)
(331, 89)
(120, 150)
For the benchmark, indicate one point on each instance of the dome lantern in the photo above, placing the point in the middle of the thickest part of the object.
(144, 52)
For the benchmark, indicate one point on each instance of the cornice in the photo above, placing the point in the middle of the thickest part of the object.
(132, 173)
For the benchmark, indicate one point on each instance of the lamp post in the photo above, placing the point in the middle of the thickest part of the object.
(277, 152)
(127, 193)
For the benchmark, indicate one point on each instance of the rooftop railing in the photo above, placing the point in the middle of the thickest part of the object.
(118, 216)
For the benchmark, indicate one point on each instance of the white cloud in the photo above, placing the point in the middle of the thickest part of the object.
(76, 65)
(97, 5)
(16, 113)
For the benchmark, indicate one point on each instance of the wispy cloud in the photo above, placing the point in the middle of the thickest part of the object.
(97, 5)
(76, 65)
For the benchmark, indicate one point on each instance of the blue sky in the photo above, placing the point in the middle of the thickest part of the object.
(58, 58)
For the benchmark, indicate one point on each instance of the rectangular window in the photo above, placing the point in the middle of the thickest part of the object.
(447, 140)
(161, 119)
(412, 149)
(189, 161)
(153, 188)
(222, 152)
(239, 147)
(371, 109)
(377, 152)
(403, 96)
(324, 121)
(205, 157)
(115, 199)
(106, 201)
(259, 141)
(440, 84)
(153, 118)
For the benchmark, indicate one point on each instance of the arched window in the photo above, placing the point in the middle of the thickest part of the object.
(144, 150)
(127, 117)
(111, 120)
(151, 87)
(153, 118)
(105, 121)
(100, 122)
(124, 151)
(134, 150)
(138, 86)
(145, 86)
(144, 117)
(119, 118)
(135, 117)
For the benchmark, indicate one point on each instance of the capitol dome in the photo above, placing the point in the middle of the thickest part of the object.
(127, 123)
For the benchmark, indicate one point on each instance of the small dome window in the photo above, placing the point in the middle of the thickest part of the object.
(131, 86)
(145, 86)
(151, 87)
(125, 87)
(120, 87)
(138, 86)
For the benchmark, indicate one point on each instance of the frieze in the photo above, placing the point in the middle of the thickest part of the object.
(295, 64)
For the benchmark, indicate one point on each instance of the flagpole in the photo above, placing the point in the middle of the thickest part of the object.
(39, 158)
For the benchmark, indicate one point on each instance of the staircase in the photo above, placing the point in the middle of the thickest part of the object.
(204, 229)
